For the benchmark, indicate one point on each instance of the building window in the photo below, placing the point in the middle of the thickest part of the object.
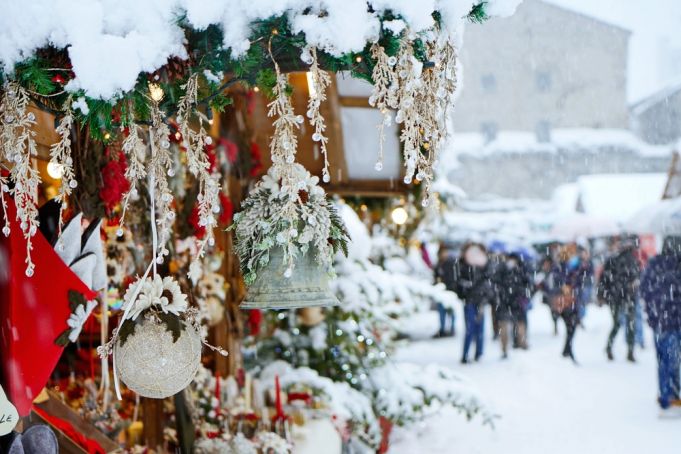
(543, 80)
(543, 131)
(489, 130)
(489, 83)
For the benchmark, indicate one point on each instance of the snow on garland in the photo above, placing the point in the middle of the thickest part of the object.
(111, 43)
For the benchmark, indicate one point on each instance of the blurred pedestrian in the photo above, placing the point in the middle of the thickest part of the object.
(585, 280)
(618, 288)
(661, 291)
(473, 285)
(512, 284)
(543, 283)
(444, 273)
(561, 291)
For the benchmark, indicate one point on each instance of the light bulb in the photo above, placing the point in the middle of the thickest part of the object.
(156, 92)
(55, 170)
(311, 87)
(399, 216)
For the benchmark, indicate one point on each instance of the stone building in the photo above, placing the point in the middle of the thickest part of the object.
(545, 67)
(657, 118)
(543, 102)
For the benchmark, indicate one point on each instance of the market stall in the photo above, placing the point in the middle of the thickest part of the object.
(168, 236)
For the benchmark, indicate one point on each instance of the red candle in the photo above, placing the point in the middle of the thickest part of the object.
(277, 390)
(217, 391)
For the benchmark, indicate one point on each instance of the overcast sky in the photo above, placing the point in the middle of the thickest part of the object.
(655, 45)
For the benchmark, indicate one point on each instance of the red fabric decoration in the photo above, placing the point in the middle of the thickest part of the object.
(58, 79)
(254, 321)
(227, 212)
(90, 445)
(231, 149)
(193, 220)
(114, 183)
(256, 160)
(305, 397)
(34, 311)
(250, 102)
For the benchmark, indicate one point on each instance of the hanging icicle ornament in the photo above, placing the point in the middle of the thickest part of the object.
(320, 80)
(410, 83)
(17, 147)
(160, 168)
(135, 151)
(60, 157)
(423, 96)
(287, 232)
(208, 198)
(384, 94)
(433, 105)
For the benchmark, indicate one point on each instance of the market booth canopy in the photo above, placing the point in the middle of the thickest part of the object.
(580, 225)
(663, 217)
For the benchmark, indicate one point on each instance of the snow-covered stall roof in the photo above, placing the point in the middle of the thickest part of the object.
(619, 196)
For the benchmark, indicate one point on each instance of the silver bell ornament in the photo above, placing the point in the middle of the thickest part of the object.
(276, 286)
(152, 365)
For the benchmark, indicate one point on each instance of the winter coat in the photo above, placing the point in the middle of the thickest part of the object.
(661, 291)
(560, 286)
(473, 284)
(619, 281)
(445, 273)
(513, 289)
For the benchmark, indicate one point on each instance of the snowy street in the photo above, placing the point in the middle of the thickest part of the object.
(545, 402)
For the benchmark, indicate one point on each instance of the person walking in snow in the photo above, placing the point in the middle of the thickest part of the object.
(585, 280)
(543, 283)
(560, 287)
(661, 291)
(473, 285)
(444, 273)
(618, 287)
(512, 284)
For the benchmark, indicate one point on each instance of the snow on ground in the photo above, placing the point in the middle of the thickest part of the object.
(545, 402)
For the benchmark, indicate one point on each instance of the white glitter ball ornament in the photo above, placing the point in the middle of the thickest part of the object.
(152, 365)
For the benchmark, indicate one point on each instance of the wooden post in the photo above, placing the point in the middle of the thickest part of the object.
(153, 419)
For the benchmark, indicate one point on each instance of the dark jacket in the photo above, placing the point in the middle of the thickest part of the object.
(473, 284)
(513, 290)
(444, 272)
(661, 291)
(619, 281)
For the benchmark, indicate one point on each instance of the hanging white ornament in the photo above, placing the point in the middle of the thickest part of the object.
(154, 364)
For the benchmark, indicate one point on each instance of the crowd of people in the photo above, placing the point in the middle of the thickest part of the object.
(566, 278)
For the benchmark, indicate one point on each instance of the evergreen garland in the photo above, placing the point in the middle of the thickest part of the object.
(45, 74)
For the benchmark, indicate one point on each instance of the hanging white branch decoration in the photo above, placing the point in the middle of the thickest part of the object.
(208, 198)
(18, 145)
(60, 156)
(409, 74)
(135, 152)
(320, 81)
(384, 95)
(161, 167)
